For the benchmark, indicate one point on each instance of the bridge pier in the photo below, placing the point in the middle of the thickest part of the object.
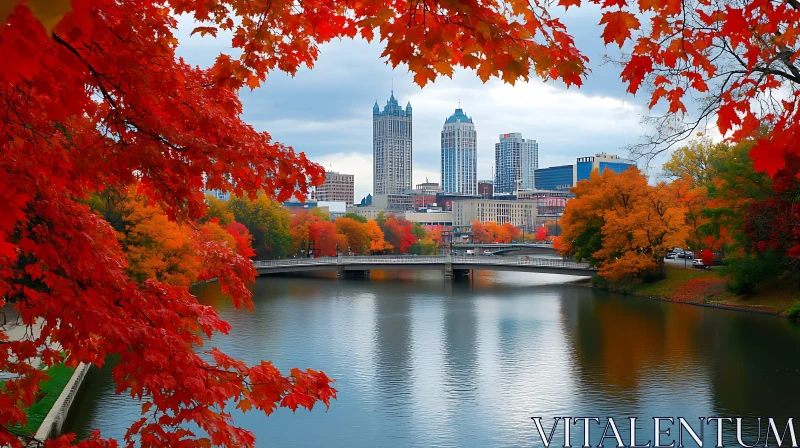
(461, 273)
(450, 273)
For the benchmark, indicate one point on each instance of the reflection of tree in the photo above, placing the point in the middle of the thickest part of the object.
(618, 342)
(620, 345)
(211, 294)
(755, 364)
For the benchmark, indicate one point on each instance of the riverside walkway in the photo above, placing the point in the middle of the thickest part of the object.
(450, 265)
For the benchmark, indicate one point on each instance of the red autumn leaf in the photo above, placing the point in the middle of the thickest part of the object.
(727, 117)
(635, 71)
(618, 26)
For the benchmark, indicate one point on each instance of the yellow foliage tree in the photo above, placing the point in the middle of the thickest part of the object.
(696, 162)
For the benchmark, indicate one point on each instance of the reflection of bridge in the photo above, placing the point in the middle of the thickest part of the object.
(452, 266)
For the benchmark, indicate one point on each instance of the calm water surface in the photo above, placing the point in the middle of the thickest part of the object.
(420, 361)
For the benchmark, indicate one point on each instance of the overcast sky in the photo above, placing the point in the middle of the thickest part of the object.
(326, 112)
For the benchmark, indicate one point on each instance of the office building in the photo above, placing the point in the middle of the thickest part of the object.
(554, 178)
(431, 220)
(391, 148)
(486, 189)
(336, 188)
(520, 214)
(459, 154)
(393, 202)
(429, 187)
(564, 177)
(601, 162)
(367, 211)
(516, 160)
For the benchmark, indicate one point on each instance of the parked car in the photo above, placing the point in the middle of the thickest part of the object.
(671, 256)
(487, 253)
(698, 263)
(469, 252)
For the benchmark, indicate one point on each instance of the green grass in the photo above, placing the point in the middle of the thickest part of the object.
(665, 287)
(779, 297)
(51, 389)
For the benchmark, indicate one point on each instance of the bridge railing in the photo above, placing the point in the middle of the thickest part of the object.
(294, 262)
(520, 261)
(411, 260)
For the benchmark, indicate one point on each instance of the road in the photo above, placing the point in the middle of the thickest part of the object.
(682, 262)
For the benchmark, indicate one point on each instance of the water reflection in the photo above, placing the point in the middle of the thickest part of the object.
(424, 362)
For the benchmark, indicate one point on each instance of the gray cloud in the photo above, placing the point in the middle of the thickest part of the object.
(327, 111)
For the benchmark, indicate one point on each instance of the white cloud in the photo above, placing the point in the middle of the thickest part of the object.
(326, 112)
(566, 123)
(355, 163)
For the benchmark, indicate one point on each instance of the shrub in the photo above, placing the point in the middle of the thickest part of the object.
(749, 271)
(794, 313)
(599, 281)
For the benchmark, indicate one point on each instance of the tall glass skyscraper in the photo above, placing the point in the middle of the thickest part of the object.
(391, 148)
(459, 155)
(515, 160)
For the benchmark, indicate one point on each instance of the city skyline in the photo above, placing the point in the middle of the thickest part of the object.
(332, 126)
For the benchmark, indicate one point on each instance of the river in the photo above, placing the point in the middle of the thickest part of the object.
(420, 361)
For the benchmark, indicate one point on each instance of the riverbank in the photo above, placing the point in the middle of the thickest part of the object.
(707, 288)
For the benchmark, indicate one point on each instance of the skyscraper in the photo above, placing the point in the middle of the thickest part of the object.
(391, 148)
(515, 160)
(459, 154)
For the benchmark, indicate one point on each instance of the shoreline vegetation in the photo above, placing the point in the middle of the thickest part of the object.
(707, 288)
(47, 396)
(49, 393)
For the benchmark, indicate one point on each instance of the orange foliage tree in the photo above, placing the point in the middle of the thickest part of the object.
(436, 236)
(491, 232)
(154, 246)
(377, 243)
(356, 235)
(513, 232)
(622, 224)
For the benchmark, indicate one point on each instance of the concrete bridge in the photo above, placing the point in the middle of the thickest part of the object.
(452, 266)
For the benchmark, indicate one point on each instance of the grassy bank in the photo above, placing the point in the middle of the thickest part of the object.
(51, 389)
(708, 287)
(46, 398)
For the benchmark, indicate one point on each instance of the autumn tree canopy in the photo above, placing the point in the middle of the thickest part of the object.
(94, 99)
(622, 224)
